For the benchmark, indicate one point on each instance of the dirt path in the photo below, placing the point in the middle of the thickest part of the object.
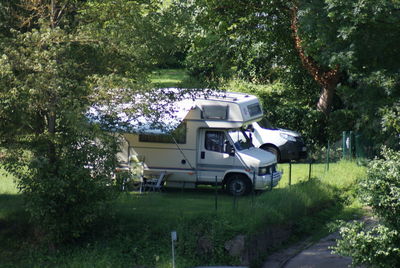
(308, 255)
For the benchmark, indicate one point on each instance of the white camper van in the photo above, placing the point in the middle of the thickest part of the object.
(210, 145)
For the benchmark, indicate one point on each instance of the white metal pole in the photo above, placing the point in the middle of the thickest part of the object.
(173, 238)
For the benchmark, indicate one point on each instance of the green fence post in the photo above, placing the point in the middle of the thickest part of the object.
(351, 139)
(271, 182)
(254, 189)
(216, 194)
(290, 173)
(344, 148)
(327, 157)
(234, 203)
(309, 169)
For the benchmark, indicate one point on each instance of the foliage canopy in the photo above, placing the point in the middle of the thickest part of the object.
(58, 59)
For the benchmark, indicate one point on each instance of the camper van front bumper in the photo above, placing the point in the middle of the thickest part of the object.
(268, 181)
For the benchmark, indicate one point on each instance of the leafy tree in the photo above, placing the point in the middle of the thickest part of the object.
(58, 61)
(378, 246)
(329, 55)
(327, 39)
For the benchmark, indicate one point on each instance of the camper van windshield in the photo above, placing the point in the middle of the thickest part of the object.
(240, 139)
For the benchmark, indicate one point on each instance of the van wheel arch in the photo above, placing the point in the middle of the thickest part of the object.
(272, 149)
(237, 184)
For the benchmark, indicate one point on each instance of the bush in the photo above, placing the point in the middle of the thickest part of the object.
(378, 246)
(66, 197)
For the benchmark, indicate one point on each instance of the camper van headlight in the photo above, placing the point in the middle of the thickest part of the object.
(262, 171)
(287, 137)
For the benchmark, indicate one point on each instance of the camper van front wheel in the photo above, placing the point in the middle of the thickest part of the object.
(238, 185)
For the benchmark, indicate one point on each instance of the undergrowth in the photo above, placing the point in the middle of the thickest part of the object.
(138, 235)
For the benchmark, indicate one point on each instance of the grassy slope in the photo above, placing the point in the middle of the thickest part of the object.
(140, 231)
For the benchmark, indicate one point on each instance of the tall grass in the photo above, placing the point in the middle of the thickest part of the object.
(341, 174)
(7, 183)
(139, 233)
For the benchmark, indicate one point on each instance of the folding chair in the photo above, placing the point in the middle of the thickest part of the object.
(154, 184)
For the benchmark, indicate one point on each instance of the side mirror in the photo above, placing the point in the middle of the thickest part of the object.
(250, 128)
(232, 152)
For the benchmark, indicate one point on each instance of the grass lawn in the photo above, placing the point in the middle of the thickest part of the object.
(139, 232)
(165, 78)
(10, 200)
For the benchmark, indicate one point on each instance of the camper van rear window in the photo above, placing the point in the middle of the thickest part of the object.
(176, 136)
(254, 109)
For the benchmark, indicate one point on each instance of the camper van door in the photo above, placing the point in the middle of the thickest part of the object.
(215, 155)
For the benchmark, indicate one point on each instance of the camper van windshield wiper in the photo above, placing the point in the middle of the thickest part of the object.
(240, 139)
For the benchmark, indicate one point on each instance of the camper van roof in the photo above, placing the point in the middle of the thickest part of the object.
(166, 115)
(119, 119)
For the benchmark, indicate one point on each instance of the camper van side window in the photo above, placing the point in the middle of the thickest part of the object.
(215, 141)
(179, 134)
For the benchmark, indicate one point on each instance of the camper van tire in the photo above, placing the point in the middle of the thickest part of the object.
(238, 184)
(272, 149)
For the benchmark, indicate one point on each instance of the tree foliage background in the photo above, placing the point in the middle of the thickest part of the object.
(58, 58)
(307, 47)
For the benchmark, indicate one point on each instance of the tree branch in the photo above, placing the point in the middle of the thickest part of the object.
(326, 79)
(61, 12)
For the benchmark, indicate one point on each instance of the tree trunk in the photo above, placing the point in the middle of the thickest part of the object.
(51, 128)
(325, 99)
(328, 80)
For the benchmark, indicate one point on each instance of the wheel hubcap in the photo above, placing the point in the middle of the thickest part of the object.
(238, 187)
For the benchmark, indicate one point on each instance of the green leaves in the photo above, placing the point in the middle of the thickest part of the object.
(378, 246)
(50, 74)
(381, 189)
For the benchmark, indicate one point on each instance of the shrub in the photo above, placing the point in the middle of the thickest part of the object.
(378, 246)
(66, 197)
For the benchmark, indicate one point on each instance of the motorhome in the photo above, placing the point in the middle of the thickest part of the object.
(208, 146)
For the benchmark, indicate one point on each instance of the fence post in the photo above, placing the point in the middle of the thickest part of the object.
(234, 203)
(309, 169)
(254, 188)
(344, 147)
(216, 194)
(272, 181)
(351, 138)
(183, 186)
(327, 157)
(290, 172)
